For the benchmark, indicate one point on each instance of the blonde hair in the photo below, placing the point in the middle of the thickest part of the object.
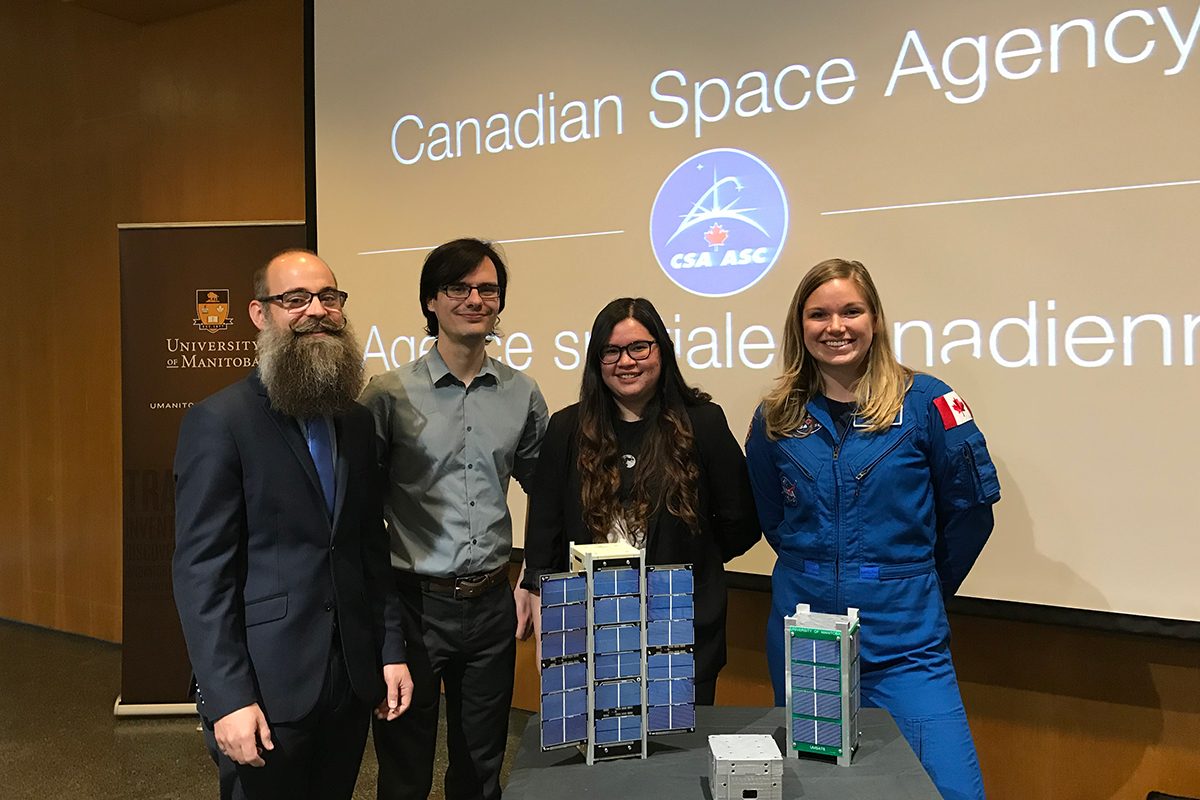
(879, 393)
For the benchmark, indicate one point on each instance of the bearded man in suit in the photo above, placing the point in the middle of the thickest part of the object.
(281, 569)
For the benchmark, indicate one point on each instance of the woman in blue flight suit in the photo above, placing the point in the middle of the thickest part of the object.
(875, 488)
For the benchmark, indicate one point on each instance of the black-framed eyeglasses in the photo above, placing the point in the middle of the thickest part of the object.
(296, 299)
(461, 291)
(638, 351)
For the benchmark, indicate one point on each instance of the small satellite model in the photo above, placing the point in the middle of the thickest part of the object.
(617, 661)
(822, 683)
(745, 766)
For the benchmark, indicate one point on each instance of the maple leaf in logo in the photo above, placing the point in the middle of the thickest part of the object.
(716, 235)
(958, 405)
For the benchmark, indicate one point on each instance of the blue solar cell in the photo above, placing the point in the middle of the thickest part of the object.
(575, 616)
(828, 705)
(828, 652)
(621, 638)
(564, 731)
(619, 694)
(668, 633)
(816, 704)
(576, 728)
(559, 589)
(608, 582)
(807, 676)
(670, 606)
(552, 619)
(676, 580)
(672, 692)
(561, 618)
(671, 665)
(670, 718)
(822, 651)
(610, 730)
(829, 733)
(552, 679)
(817, 732)
(618, 665)
(564, 704)
(611, 610)
(564, 676)
(561, 645)
(575, 675)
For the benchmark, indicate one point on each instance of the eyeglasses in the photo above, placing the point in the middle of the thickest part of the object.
(461, 291)
(638, 351)
(297, 299)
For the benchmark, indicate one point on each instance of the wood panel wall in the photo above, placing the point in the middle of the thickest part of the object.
(196, 118)
(201, 118)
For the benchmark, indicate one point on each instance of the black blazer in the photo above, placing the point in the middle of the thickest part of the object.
(728, 521)
(261, 573)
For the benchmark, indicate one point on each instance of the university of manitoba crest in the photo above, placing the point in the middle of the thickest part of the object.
(212, 310)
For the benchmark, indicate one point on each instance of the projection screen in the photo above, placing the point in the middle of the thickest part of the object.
(1022, 178)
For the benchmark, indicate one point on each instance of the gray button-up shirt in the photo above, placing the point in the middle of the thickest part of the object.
(450, 450)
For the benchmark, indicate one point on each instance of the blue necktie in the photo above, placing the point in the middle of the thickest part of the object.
(317, 434)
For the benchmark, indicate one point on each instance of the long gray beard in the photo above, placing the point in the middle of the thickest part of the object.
(310, 376)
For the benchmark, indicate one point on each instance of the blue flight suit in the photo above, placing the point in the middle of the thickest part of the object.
(889, 523)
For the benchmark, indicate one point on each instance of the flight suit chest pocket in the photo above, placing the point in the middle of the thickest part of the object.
(798, 476)
(804, 504)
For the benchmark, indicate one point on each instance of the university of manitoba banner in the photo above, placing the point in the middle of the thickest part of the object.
(185, 333)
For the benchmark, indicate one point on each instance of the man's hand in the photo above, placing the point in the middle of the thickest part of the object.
(239, 733)
(528, 605)
(399, 692)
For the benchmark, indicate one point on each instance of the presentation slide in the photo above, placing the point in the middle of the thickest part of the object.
(1021, 178)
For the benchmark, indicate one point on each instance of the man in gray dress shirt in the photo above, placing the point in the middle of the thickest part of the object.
(452, 427)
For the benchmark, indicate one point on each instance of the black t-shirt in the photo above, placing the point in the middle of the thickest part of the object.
(842, 413)
(630, 436)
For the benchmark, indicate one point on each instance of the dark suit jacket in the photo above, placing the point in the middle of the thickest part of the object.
(261, 573)
(728, 521)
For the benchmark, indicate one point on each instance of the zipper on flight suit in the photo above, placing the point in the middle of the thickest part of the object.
(837, 517)
(867, 469)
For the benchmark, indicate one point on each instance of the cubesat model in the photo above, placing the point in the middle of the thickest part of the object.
(822, 683)
(617, 661)
(745, 767)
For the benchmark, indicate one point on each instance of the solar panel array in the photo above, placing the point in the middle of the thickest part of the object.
(617, 659)
(564, 660)
(670, 663)
(617, 632)
(823, 691)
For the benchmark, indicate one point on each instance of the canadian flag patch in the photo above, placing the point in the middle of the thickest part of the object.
(953, 409)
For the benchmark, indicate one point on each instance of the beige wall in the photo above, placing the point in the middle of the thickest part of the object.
(201, 118)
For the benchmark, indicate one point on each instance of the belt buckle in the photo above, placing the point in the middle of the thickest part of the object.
(466, 588)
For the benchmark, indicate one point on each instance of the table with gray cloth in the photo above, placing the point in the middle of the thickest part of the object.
(678, 764)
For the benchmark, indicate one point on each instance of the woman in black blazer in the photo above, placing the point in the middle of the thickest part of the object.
(645, 459)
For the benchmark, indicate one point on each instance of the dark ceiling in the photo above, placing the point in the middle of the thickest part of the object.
(144, 11)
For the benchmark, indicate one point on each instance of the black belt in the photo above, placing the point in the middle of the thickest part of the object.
(460, 588)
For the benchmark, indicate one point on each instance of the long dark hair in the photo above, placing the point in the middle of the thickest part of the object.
(666, 471)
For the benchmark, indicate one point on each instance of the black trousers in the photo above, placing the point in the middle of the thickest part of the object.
(467, 648)
(317, 757)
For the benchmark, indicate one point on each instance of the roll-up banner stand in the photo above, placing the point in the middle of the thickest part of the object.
(185, 333)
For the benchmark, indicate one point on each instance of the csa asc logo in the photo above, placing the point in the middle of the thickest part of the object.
(212, 310)
(719, 222)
